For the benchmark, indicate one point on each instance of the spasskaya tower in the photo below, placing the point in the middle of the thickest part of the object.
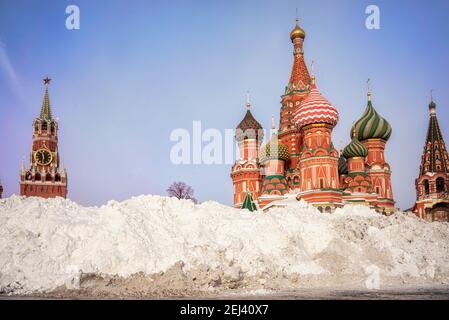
(46, 177)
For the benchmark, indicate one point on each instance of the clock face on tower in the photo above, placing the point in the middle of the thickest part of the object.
(43, 157)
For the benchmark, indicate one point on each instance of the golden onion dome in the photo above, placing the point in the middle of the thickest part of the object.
(297, 32)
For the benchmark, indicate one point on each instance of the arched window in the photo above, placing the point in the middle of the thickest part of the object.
(320, 209)
(36, 127)
(57, 177)
(44, 126)
(48, 177)
(328, 210)
(37, 177)
(321, 183)
(426, 187)
(440, 184)
(52, 128)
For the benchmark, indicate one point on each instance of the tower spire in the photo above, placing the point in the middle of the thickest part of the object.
(46, 109)
(300, 77)
(434, 156)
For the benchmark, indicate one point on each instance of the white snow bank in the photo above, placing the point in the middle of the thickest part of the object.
(47, 243)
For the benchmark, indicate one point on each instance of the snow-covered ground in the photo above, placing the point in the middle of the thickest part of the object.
(162, 242)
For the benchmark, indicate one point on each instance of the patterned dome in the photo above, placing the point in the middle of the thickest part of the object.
(355, 149)
(315, 109)
(249, 128)
(371, 125)
(342, 165)
(274, 150)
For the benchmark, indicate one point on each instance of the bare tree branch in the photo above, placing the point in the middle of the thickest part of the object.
(181, 190)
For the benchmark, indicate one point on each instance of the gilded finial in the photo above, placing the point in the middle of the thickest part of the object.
(273, 126)
(368, 82)
(248, 104)
(313, 72)
(432, 104)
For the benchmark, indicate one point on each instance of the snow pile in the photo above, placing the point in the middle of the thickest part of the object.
(46, 244)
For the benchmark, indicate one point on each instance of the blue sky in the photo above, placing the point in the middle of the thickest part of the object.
(136, 70)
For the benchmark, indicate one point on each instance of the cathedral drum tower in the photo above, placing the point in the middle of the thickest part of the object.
(245, 172)
(432, 184)
(373, 131)
(46, 176)
(315, 117)
(298, 88)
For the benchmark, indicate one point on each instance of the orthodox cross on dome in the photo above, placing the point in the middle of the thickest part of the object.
(432, 104)
(248, 103)
(313, 71)
(368, 83)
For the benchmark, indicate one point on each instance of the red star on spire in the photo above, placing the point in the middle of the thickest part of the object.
(47, 81)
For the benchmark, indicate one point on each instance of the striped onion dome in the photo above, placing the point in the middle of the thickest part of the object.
(342, 165)
(274, 150)
(315, 109)
(249, 128)
(355, 149)
(371, 125)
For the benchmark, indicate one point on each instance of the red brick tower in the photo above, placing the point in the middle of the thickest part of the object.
(298, 87)
(432, 184)
(46, 177)
(245, 172)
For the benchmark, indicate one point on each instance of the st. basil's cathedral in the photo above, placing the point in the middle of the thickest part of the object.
(301, 160)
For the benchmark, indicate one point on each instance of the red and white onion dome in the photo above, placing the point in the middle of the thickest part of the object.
(315, 109)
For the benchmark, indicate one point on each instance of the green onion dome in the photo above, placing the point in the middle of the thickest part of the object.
(342, 165)
(355, 149)
(371, 125)
(274, 150)
(249, 128)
